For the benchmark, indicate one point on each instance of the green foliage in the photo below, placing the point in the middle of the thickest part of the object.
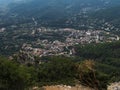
(14, 76)
(88, 75)
(96, 51)
(107, 59)
(57, 71)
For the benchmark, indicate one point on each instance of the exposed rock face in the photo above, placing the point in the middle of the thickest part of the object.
(114, 86)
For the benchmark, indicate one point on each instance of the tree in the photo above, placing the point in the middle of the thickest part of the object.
(14, 76)
(86, 74)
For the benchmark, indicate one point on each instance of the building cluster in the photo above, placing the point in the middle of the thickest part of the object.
(66, 47)
(114, 86)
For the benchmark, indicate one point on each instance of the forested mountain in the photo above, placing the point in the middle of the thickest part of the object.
(59, 8)
(110, 15)
(49, 12)
(103, 19)
(68, 5)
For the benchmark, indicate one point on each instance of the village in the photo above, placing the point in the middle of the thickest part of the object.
(72, 37)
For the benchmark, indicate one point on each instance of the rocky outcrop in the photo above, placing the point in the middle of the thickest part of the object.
(114, 86)
(63, 87)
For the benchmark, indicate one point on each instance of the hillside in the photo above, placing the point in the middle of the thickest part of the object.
(53, 13)
(108, 19)
(93, 66)
(107, 57)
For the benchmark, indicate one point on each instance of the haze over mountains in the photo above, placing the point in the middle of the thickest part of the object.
(50, 12)
(62, 6)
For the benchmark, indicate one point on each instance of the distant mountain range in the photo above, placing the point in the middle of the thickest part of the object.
(43, 7)
(58, 12)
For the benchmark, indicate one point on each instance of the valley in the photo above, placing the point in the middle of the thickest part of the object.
(59, 44)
